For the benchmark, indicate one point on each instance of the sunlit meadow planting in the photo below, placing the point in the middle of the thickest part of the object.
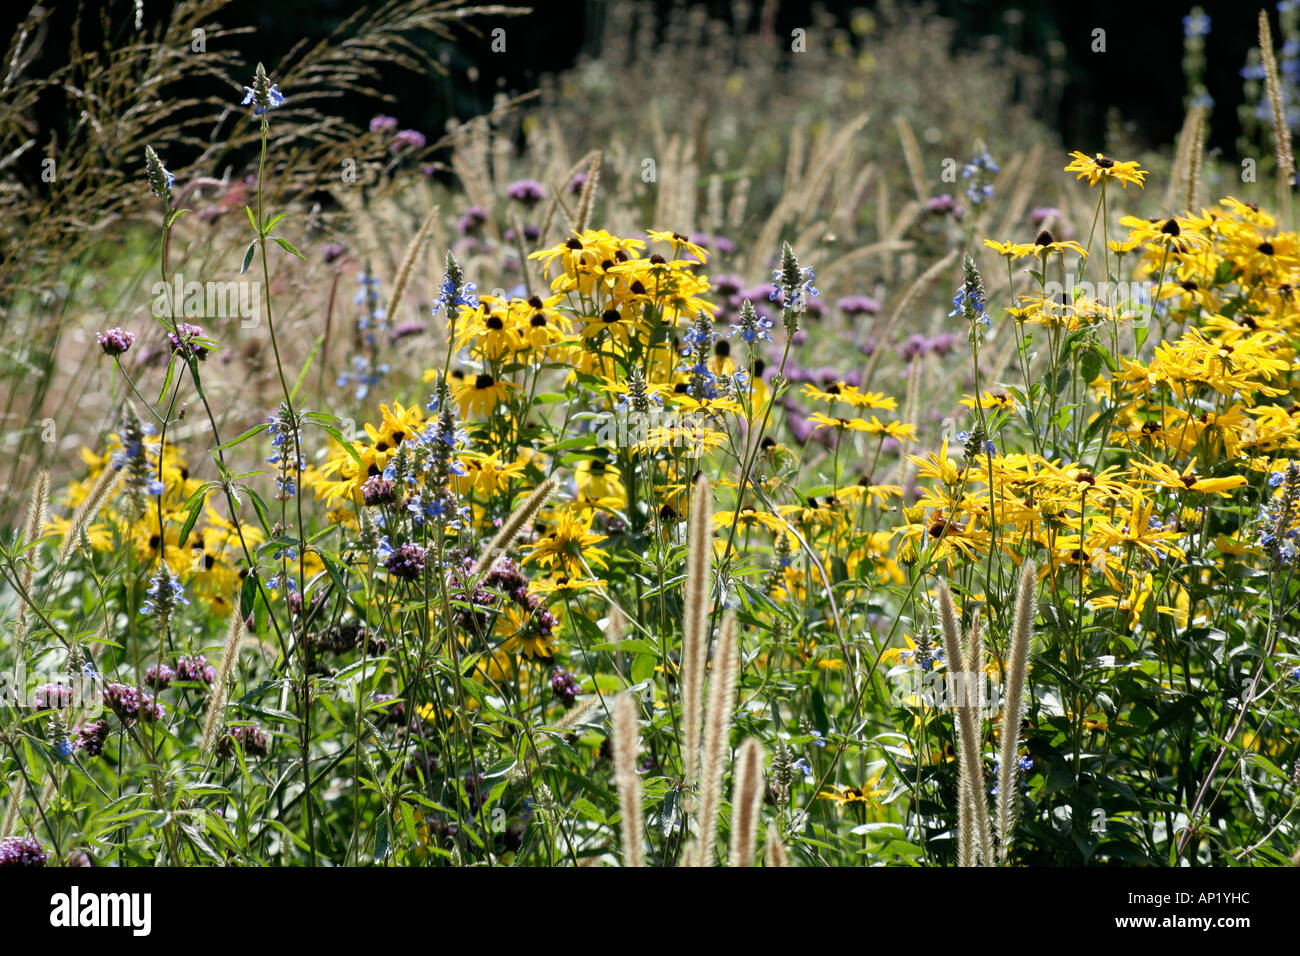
(483, 503)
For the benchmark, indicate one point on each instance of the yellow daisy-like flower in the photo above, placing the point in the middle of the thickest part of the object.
(1162, 476)
(481, 394)
(679, 243)
(843, 794)
(565, 548)
(1011, 250)
(1100, 168)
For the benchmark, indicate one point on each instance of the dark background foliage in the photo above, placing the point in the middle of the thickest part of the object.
(1139, 75)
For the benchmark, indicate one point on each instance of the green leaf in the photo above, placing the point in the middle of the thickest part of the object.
(1089, 366)
(1140, 333)
(167, 382)
(287, 246)
(247, 594)
(381, 838)
(260, 507)
(275, 220)
(347, 445)
(302, 375)
(195, 504)
(244, 437)
(248, 257)
(252, 220)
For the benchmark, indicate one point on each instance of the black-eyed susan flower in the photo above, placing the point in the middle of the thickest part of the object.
(1099, 168)
(843, 794)
(482, 394)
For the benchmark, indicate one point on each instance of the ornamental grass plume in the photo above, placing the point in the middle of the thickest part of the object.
(717, 733)
(1281, 128)
(412, 254)
(221, 685)
(585, 198)
(695, 639)
(87, 511)
(35, 521)
(976, 847)
(748, 790)
(774, 851)
(514, 524)
(1013, 707)
(626, 779)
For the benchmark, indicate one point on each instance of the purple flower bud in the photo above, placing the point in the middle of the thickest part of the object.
(115, 341)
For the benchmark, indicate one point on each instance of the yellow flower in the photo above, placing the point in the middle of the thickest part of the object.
(1162, 476)
(482, 394)
(599, 483)
(565, 548)
(1098, 168)
(844, 795)
(1011, 250)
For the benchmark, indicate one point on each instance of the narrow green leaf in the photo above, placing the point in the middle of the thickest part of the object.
(347, 445)
(167, 382)
(287, 246)
(244, 437)
(302, 375)
(195, 505)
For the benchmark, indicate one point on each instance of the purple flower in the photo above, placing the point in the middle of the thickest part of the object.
(382, 123)
(406, 562)
(407, 139)
(21, 851)
(1041, 214)
(578, 181)
(473, 218)
(129, 703)
(942, 344)
(195, 669)
(527, 191)
(377, 490)
(943, 205)
(249, 738)
(115, 341)
(182, 339)
(564, 686)
(855, 305)
(912, 347)
(159, 677)
(52, 697)
(91, 737)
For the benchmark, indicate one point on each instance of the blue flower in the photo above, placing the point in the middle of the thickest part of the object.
(272, 99)
(1196, 25)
